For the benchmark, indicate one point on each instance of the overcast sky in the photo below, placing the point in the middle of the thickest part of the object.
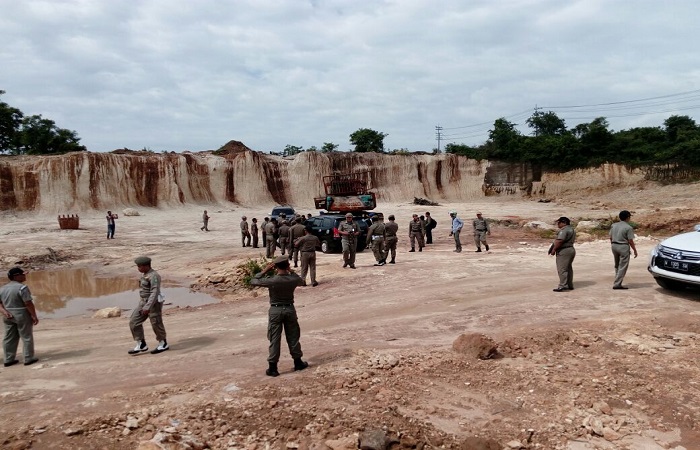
(193, 74)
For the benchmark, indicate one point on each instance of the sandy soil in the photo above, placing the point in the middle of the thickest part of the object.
(589, 369)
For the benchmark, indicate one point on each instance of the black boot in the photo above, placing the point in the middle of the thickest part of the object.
(487, 247)
(420, 249)
(272, 370)
(299, 364)
(412, 250)
(392, 261)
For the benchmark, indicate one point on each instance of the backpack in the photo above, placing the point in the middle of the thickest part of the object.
(433, 223)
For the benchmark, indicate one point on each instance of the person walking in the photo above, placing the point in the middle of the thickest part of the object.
(563, 248)
(416, 231)
(150, 307)
(271, 238)
(295, 232)
(457, 225)
(205, 221)
(111, 226)
(481, 229)
(349, 231)
(621, 240)
(307, 245)
(282, 314)
(430, 225)
(245, 232)
(376, 236)
(391, 230)
(284, 237)
(254, 232)
(19, 318)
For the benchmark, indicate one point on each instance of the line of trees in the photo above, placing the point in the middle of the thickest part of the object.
(33, 135)
(554, 147)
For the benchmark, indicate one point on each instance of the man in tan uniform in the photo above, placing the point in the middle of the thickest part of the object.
(254, 232)
(245, 234)
(284, 237)
(295, 232)
(563, 248)
(481, 229)
(270, 232)
(376, 235)
(19, 317)
(390, 231)
(621, 240)
(416, 230)
(205, 221)
(150, 307)
(307, 245)
(349, 231)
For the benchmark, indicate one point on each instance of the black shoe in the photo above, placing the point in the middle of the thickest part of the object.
(11, 363)
(412, 250)
(392, 262)
(345, 265)
(620, 287)
(300, 365)
(382, 262)
(162, 346)
(141, 346)
(477, 250)
(314, 284)
(420, 249)
(377, 264)
(487, 248)
(352, 266)
(31, 361)
(295, 265)
(272, 370)
(559, 289)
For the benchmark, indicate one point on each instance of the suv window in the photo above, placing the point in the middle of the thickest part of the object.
(287, 210)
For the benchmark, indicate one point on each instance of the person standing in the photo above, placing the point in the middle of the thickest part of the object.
(376, 236)
(430, 225)
(621, 240)
(264, 233)
(270, 236)
(254, 232)
(150, 307)
(563, 248)
(19, 318)
(295, 232)
(110, 224)
(284, 237)
(416, 230)
(457, 225)
(349, 231)
(481, 229)
(391, 232)
(307, 245)
(205, 221)
(245, 233)
(282, 315)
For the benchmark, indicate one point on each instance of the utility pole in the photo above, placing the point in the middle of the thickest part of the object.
(438, 136)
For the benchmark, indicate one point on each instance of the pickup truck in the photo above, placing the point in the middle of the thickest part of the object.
(288, 211)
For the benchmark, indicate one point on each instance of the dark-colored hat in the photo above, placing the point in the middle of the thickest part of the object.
(15, 271)
(143, 261)
(391, 217)
(280, 259)
(564, 219)
(624, 214)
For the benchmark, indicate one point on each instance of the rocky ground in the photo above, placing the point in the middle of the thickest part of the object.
(394, 351)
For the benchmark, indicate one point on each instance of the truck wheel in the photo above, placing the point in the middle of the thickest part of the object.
(325, 246)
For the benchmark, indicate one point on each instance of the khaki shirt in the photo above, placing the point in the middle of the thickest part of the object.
(150, 288)
(254, 228)
(281, 287)
(308, 243)
(377, 229)
(284, 230)
(244, 226)
(296, 231)
(415, 226)
(391, 229)
(480, 225)
(270, 228)
(349, 227)
(621, 233)
(15, 295)
(567, 235)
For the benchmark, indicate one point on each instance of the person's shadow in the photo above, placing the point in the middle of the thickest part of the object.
(192, 344)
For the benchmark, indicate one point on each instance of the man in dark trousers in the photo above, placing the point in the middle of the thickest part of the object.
(430, 225)
(282, 314)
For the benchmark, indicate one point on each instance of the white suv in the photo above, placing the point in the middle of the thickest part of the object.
(675, 262)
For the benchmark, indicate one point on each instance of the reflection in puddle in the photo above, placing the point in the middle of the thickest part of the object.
(76, 292)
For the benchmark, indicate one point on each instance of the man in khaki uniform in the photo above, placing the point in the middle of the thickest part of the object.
(349, 231)
(390, 231)
(621, 240)
(19, 317)
(307, 245)
(205, 221)
(245, 234)
(481, 229)
(284, 237)
(295, 232)
(254, 232)
(150, 307)
(262, 230)
(416, 230)
(270, 232)
(376, 235)
(563, 248)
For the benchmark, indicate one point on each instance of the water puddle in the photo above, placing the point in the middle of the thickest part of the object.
(75, 292)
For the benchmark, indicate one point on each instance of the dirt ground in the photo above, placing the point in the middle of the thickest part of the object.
(593, 368)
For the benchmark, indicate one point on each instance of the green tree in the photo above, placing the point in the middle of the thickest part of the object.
(367, 140)
(10, 123)
(291, 150)
(328, 147)
(546, 124)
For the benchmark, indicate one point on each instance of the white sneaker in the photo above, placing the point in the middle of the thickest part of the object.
(162, 346)
(141, 346)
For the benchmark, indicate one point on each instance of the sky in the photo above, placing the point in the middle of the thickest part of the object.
(176, 75)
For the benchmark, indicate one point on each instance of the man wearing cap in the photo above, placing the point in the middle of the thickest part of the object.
(19, 318)
(270, 238)
(457, 225)
(481, 229)
(621, 240)
(349, 231)
(416, 231)
(150, 307)
(307, 245)
(282, 315)
(295, 232)
(284, 237)
(563, 248)
(376, 235)
(205, 221)
(391, 229)
(245, 234)
(254, 232)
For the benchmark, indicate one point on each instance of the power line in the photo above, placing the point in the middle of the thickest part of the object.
(627, 101)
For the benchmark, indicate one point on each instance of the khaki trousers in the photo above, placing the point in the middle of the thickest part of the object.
(621, 253)
(19, 327)
(349, 251)
(155, 315)
(308, 264)
(565, 269)
(283, 318)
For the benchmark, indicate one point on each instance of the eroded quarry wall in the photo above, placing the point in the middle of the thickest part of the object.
(80, 181)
